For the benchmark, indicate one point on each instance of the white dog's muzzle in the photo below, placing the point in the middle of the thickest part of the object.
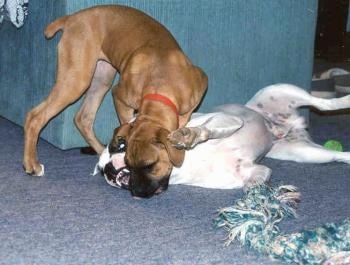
(113, 168)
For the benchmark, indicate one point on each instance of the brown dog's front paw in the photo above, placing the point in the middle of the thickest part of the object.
(35, 170)
(184, 138)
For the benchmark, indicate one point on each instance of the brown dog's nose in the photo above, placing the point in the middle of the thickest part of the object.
(142, 186)
(142, 194)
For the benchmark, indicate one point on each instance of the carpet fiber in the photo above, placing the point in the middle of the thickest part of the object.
(71, 217)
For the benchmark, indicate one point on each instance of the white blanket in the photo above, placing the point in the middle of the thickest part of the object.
(14, 11)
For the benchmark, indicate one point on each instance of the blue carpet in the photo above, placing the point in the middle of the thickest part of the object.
(71, 217)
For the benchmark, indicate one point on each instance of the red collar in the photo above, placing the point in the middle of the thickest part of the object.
(163, 99)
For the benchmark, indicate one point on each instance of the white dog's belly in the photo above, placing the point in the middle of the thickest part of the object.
(207, 167)
(225, 163)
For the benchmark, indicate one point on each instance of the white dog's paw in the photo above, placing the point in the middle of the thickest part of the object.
(259, 175)
(188, 137)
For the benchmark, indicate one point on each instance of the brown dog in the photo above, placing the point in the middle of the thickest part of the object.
(156, 80)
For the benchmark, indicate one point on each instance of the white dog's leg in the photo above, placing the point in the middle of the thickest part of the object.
(306, 152)
(284, 99)
(212, 126)
(255, 175)
(331, 104)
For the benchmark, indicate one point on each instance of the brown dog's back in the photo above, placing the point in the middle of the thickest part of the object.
(126, 28)
(118, 16)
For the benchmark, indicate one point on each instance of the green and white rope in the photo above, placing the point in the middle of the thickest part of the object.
(254, 220)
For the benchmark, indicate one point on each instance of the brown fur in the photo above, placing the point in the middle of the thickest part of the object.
(96, 44)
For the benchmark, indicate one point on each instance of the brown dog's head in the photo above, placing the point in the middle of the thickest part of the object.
(149, 156)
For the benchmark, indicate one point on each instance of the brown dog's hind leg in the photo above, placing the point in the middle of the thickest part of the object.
(75, 70)
(85, 117)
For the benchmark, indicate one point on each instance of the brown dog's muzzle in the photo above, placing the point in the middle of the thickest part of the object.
(149, 156)
(144, 187)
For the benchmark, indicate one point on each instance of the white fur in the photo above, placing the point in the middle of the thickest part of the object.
(268, 125)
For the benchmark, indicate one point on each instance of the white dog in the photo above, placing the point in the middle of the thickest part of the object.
(224, 146)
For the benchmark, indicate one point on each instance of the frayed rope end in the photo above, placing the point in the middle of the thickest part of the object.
(253, 222)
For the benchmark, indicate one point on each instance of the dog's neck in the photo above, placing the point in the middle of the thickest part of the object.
(163, 99)
(162, 108)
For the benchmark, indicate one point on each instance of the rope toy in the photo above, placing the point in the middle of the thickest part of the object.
(253, 222)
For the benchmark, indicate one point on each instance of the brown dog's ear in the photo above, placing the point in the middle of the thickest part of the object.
(176, 156)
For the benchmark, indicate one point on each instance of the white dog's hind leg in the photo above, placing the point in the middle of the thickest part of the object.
(331, 104)
(306, 152)
(285, 99)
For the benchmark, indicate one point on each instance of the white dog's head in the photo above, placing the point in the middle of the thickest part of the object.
(111, 164)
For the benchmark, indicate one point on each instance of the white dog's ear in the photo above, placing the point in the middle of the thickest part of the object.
(176, 156)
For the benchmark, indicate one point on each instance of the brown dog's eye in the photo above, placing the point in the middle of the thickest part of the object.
(148, 168)
(158, 143)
